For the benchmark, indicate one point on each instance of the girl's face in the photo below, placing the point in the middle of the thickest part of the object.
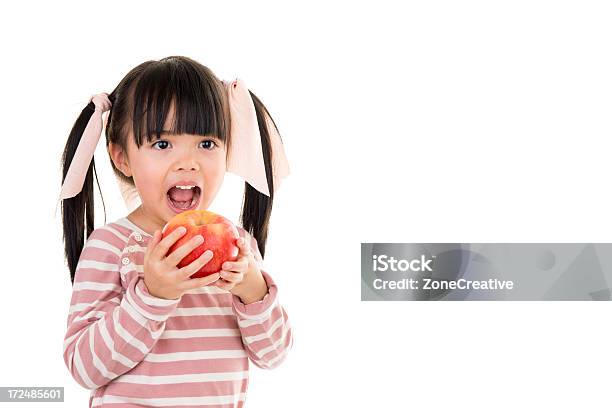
(161, 164)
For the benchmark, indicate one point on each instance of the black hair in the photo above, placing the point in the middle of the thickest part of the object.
(140, 103)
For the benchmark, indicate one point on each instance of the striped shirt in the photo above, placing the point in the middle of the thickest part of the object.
(133, 349)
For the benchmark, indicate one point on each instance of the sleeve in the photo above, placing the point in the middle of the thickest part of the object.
(109, 329)
(264, 325)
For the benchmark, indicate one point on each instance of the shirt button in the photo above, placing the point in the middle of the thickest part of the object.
(125, 261)
(137, 236)
(132, 248)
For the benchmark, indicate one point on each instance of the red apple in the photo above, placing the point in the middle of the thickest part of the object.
(219, 233)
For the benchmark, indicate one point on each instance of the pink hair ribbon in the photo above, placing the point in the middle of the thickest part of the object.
(75, 176)
(246, 155)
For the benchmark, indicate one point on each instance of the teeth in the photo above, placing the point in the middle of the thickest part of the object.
(185, 187)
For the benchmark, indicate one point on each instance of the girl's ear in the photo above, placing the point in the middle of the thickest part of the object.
(119, 158)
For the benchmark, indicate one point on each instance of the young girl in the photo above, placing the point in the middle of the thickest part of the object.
(141, 332)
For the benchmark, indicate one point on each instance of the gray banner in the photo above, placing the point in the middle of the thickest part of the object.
(490, 271)
(31, 394)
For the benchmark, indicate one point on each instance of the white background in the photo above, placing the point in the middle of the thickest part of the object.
(471, 121)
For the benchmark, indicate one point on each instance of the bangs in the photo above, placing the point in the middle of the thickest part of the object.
(191, 100)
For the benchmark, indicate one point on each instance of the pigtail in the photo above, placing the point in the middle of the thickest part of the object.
(257, 207)
(78, 211)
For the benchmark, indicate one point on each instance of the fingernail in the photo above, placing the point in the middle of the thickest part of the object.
(182, 230)
(199, 239)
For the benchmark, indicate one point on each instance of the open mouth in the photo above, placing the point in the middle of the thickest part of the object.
(180, 200)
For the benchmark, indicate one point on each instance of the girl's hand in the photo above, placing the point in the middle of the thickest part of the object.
(161, 275)
(243, 277)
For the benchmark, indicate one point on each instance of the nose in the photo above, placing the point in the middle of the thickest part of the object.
(187, 163)
(188, 167)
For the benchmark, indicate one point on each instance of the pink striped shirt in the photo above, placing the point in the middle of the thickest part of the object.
(134, 349)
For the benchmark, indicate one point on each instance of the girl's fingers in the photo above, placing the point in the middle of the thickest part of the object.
(235, 266)
(152, 243)
(161, 249)
(199, 282)
(231, 276)
(225, 284)
(175, 257)
(221, 284)
(242, 245)
(186, 271)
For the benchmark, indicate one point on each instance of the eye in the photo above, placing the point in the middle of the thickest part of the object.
(210, 141)
(159, 141)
